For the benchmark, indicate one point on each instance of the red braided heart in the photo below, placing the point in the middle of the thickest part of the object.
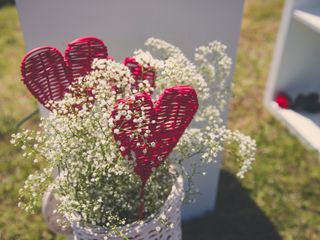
(139, 73)
(47, 74)
(166, 120)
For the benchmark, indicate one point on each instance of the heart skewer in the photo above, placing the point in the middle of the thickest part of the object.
(48, 74)
(148, 142)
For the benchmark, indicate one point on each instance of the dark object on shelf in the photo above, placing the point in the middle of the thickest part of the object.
(283, 100)
(307, 102)
(303, 102)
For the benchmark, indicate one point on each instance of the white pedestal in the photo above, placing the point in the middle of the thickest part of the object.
(295, 68)
(125, 25)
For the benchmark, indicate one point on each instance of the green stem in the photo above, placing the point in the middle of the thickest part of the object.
(22, 121)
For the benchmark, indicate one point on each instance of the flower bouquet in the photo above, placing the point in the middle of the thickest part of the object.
(113, 146)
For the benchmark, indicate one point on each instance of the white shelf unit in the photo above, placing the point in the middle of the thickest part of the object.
(296, 67)
(309, 17)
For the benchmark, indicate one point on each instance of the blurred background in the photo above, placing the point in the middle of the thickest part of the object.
(278, 199)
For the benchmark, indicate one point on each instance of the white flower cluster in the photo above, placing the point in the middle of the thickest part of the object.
(209, 78)
(214, 64)
(175, 68)
(77, 141)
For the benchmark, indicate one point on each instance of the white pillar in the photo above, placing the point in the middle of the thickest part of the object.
(125, 25)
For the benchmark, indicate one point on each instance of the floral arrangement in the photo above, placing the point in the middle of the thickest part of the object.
(115, 129)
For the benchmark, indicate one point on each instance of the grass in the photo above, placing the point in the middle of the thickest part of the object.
(279, 199)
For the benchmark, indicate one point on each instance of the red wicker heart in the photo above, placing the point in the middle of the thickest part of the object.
(165, 122)
(47, 74)
(139, 73)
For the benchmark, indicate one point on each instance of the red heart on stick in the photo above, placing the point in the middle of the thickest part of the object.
(148, 142)
(47, 74)
(139, 73)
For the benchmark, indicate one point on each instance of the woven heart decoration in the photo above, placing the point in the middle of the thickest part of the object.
(149, 133)
(47, 73)
(139, 73)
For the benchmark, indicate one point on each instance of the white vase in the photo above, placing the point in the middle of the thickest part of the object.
(50, 203)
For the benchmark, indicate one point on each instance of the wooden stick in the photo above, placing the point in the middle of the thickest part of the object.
(141, 207)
